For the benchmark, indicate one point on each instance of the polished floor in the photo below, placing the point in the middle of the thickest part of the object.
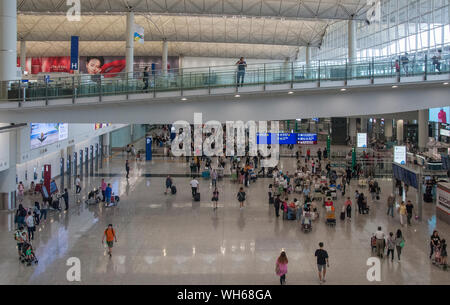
(169, 239)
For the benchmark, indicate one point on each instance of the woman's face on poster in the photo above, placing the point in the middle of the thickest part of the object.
(93, 66)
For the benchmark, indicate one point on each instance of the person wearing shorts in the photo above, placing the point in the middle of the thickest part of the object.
(322, 262)
(110, 235)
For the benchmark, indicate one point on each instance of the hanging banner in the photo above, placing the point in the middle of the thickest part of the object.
(138, 34)
(74, 53)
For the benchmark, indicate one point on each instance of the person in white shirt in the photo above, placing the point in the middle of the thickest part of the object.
(194, 186)
(380, 236)
(30, 225)
(78, 185)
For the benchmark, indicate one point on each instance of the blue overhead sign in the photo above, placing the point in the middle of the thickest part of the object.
(74, 53)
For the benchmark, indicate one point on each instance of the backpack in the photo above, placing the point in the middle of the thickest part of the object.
(241, 196)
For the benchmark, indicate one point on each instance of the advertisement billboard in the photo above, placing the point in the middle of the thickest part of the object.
(47, 133)
(361, 140)
(110, 65)
(440, 115)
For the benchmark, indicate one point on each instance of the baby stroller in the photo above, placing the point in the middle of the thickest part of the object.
(27, 256)
(55, 203)
(114, 201)
(306, 222)
(330, 216)
(93, 197)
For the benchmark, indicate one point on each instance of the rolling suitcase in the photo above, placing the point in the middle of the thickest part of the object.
(197, 197)
(342, 215)
(173, 189)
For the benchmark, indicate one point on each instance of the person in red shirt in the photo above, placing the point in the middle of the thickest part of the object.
(442, 116)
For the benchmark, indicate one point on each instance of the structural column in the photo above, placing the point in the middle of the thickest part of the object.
(308, 56)
(363, 124)
(388, 129)
(423, 129)
(351, 40)
(352, 129)
(165, 55)
(8, 41)
(399, 132)
(23, 55)
(130, 44)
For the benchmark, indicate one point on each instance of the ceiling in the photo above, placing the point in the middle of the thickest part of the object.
(250, 28)
(322, 9)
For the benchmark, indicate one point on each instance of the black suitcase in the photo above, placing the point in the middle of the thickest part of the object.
(197, 197)
(173, 189)
(342, 215)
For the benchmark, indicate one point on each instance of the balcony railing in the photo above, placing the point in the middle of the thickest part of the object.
(90, 85)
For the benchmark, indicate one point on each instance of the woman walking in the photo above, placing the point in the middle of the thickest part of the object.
(399, 243)
(281, 267)
(402, 213)
(215, 198)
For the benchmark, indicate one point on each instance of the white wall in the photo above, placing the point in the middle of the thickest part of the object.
(194, 62)
(80, 136)
(4, 151)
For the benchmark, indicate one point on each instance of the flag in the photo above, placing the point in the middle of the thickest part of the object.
(138, 34)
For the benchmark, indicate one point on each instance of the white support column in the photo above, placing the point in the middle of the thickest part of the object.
(165, 55)
(351, 40)
(352, 129)
(23, 55)
(180, 64)
(130, 44)
(308, 56)
(8, 44)
(423, 128)
(363, 125)
(388, 129)
(400, 132)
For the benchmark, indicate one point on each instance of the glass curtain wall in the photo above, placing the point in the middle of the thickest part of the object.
(416, 27)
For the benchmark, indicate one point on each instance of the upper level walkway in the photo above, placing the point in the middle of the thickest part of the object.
(261, 81)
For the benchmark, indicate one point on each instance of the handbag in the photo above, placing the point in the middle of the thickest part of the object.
(402, 243)
(277, 268)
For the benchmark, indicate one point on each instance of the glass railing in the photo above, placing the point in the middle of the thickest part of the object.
(87, 85)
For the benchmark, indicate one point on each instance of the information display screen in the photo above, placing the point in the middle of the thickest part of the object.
(361, 140)
(286, 138)
(400, 154)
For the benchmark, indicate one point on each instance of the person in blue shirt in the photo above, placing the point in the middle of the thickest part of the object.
(242, 64)
(168, 184)
(108, 193)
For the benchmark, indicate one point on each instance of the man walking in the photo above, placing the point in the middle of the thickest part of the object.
(322, 262)
(108, 194)
(194, 186)
(379, 235)
(66, 198)
(276, 205)
(110, 235)
(78, 184)
(409, 212)
(127, 168)
(390, 203)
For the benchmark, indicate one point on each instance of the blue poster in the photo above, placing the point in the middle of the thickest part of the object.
(74, 53)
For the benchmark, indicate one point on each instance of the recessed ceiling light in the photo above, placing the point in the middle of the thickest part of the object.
(184, 99)
(343, 89)
(290, 92)
(237, 95)
(445, 83)
(394, 86)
